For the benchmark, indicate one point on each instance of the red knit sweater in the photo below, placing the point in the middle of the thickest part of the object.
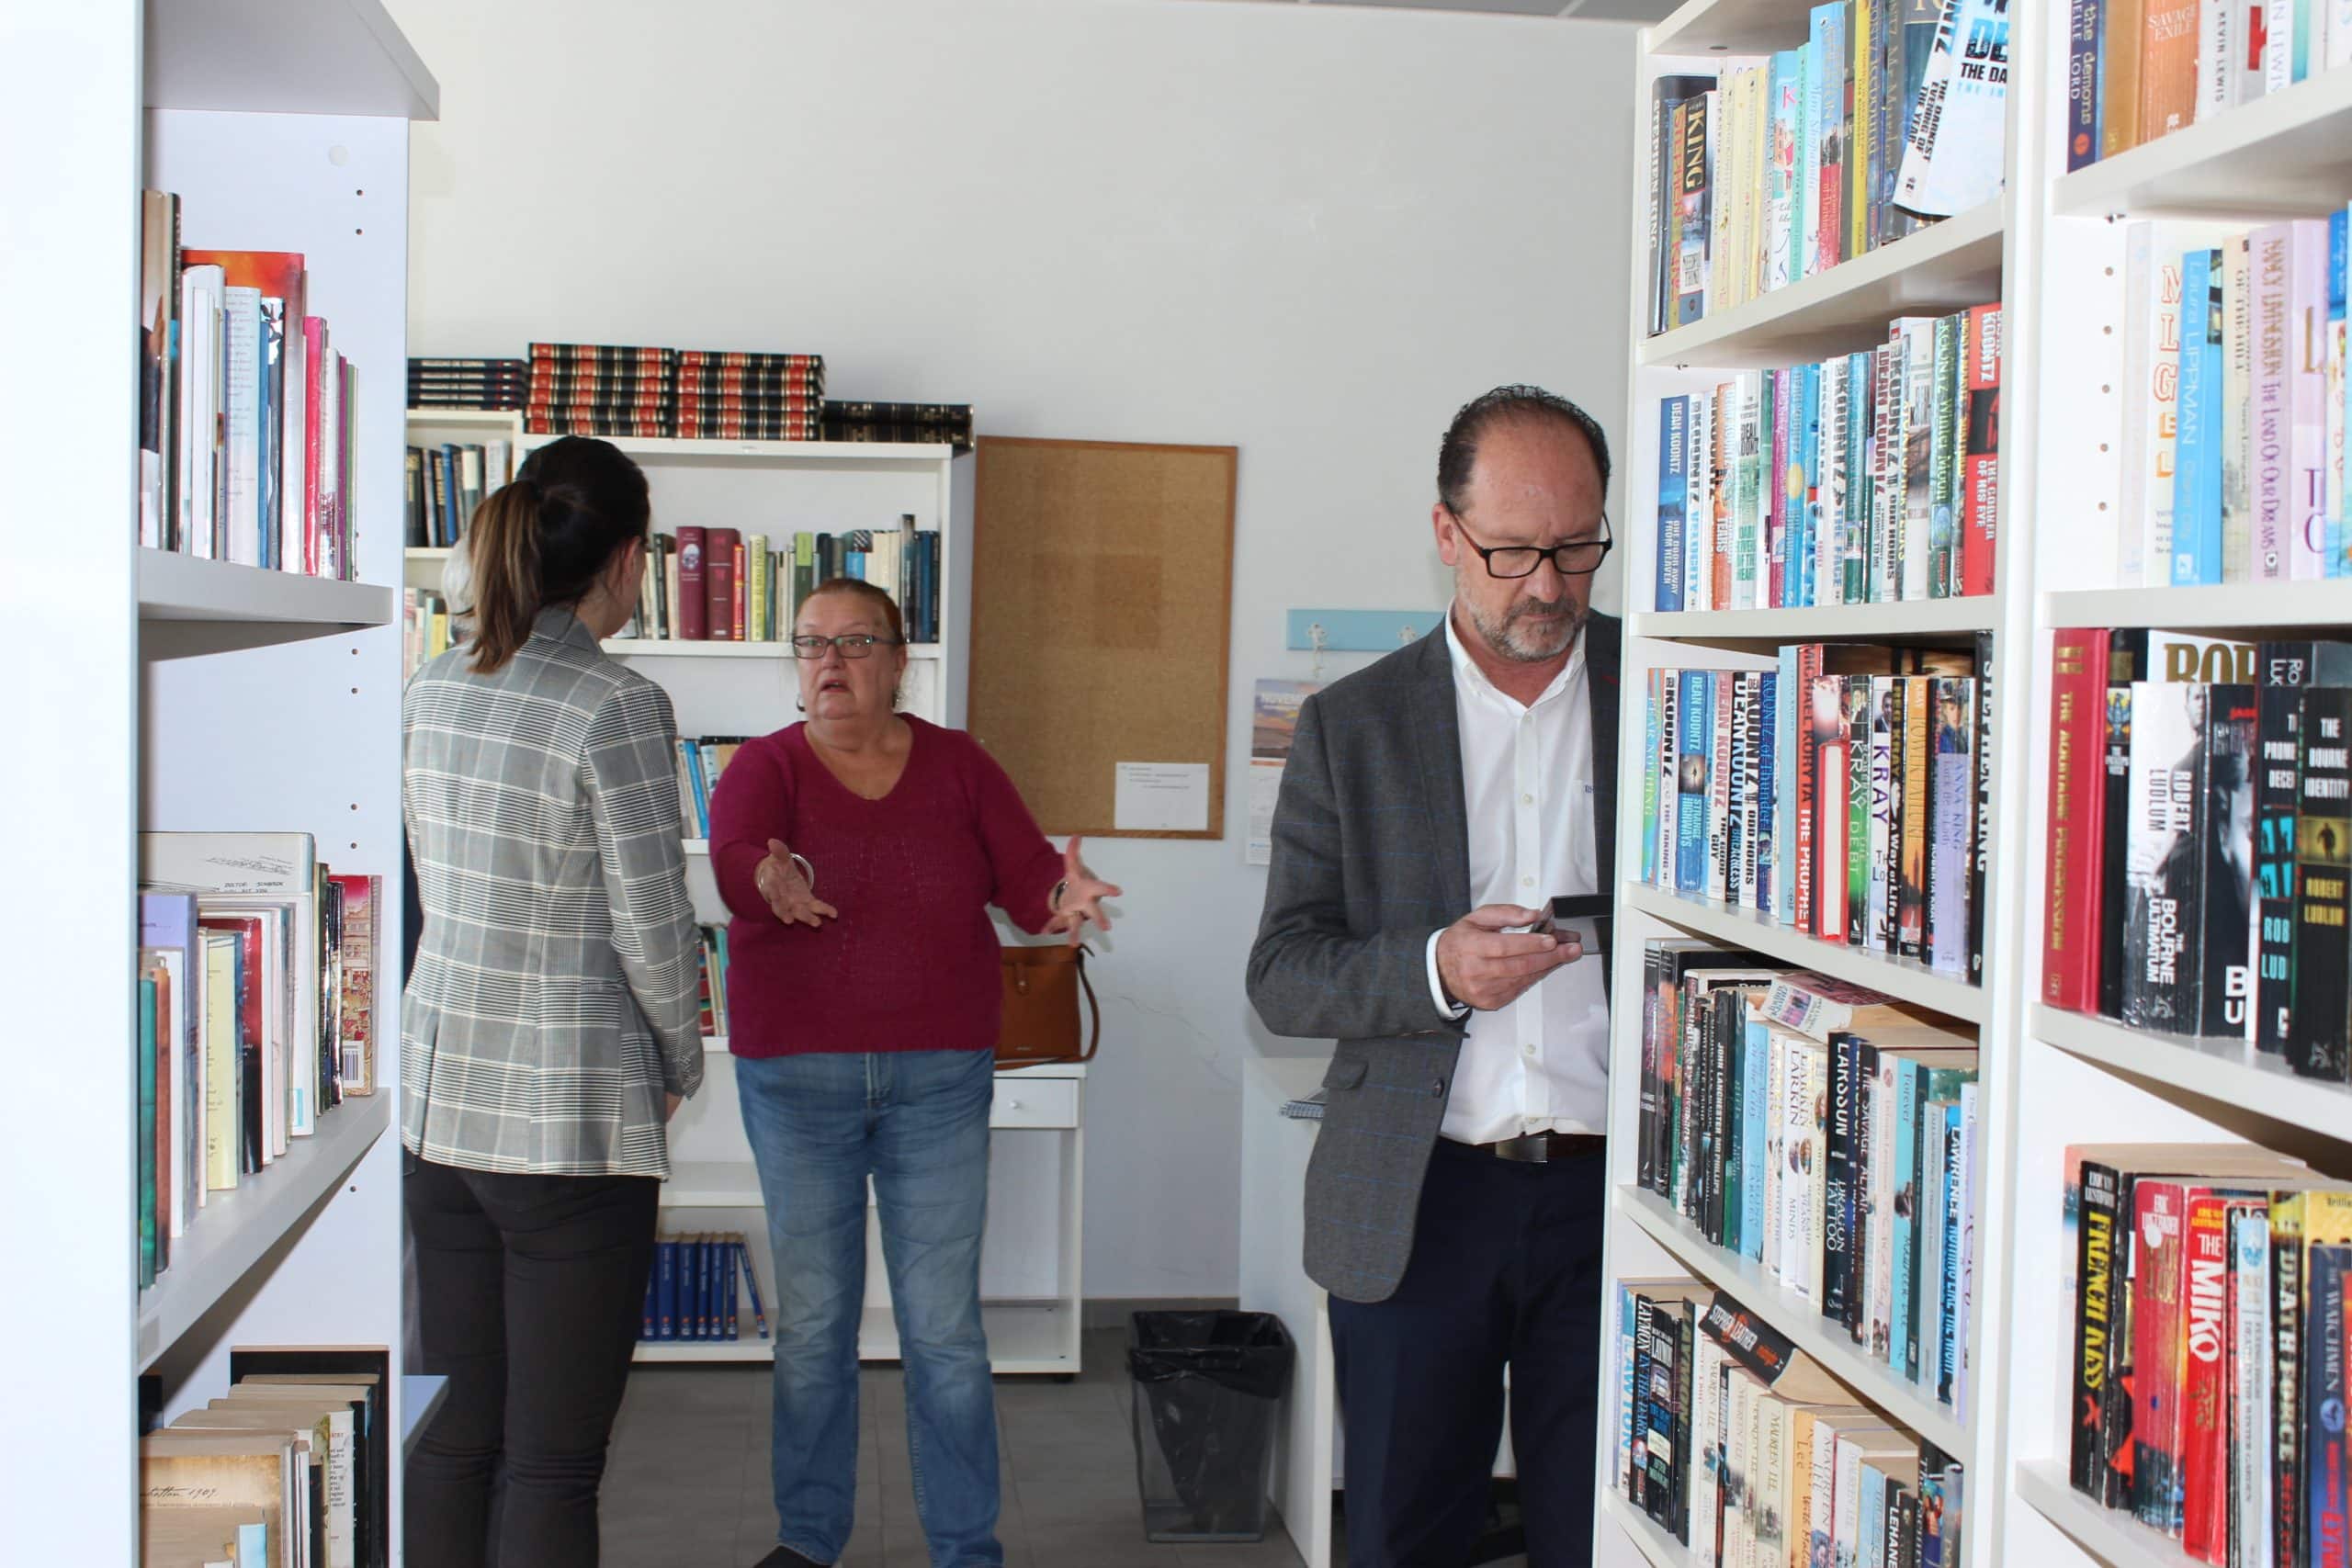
(911, 964)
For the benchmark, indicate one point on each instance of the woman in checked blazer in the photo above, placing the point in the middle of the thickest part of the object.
(549, 1026)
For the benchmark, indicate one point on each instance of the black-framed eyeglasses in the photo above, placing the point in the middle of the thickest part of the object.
(853, 645)
(1577, 558)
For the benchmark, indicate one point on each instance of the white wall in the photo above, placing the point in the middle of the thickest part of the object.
(1307, 232)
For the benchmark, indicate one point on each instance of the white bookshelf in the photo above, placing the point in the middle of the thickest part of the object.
(190, 694)
(1943, 267)
(2078, 1078)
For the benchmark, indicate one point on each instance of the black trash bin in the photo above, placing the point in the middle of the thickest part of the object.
(1207, 1387)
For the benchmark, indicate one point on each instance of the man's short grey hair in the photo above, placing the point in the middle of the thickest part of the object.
(1458, 453)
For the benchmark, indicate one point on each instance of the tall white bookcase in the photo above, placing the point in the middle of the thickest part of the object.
(2051, 250)
(1030, 1267)
(175, 693)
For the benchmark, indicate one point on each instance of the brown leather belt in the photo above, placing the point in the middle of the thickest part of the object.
(1540, 1148)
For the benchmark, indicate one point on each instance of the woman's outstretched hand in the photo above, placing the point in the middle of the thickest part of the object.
(781, 882)
(1082, 896)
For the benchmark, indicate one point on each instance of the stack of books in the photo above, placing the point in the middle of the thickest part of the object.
(723, 585)
(2198, 839)
(257, 987)
(1866, 478)
(700, 761)
(697, 1288)
(585, 388)
(1747, 1452)
(245, 407)
(1889, 114)
(446, 483)
(2141, 69)
(714, 982)
(744, 396)
(1845, 793)
(1827, 1132)
(946, 422)
(466, 383)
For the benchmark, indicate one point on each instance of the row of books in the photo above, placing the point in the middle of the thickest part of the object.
(606, 390)
(245, 407)
(2197, 868)
(446, 483)
(466, 383)
(291, 1468)
(713, 982)
(1827, 1132)
(918, 423)
(697, 1287)
(1890, 113)
(701, 759)
(427, 629)
(1750, 1454)
(1845, 793)
(1868, 477)
(2232, 447)
(2141, 69)
(2209, 1302)
(256, 1001)
(723, 585)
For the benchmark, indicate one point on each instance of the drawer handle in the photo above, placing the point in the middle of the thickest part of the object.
(1012, 1105)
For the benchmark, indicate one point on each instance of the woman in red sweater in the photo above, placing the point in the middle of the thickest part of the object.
(859, 853)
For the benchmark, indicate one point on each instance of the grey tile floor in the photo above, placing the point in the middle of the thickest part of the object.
(687, 1485)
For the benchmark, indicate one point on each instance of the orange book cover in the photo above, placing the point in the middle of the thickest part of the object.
(2167, 67)
(2119, 71)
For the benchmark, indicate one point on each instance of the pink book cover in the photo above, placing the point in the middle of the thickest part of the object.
(314, 355)
(2272, 251)
(2307, 345)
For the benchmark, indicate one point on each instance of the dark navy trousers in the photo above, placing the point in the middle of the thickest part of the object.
(1505, 1272)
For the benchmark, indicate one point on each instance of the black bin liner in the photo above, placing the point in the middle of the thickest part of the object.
(1208, 1385)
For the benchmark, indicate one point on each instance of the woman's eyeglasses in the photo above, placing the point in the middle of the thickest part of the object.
(853, 645)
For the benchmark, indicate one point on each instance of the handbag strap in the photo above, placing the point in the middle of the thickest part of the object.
(1093, 1007)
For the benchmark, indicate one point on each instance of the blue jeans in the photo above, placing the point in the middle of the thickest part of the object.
(918, 1123)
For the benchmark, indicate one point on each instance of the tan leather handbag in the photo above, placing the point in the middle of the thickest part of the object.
(1041, 991)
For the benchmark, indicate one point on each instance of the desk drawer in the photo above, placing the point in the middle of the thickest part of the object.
(1035, 1102)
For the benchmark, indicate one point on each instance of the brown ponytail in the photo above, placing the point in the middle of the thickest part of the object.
(541, 542)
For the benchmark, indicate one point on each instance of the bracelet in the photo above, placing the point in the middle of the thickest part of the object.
(808, 871)
(1054, 899)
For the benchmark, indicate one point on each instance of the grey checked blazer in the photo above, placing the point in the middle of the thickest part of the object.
(555, 995)
(1372, 853)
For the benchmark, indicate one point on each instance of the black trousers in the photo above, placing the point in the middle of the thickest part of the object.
(532, 1291)
(1504, 1271)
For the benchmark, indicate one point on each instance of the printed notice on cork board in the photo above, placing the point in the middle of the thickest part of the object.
(1160, 797)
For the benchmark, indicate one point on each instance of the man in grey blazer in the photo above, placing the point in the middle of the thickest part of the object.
(1434, 805)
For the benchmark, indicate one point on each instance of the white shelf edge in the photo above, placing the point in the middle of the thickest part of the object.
(806, 454)
(2322, 604)
(696, 846)
(2225, 1070)
(751, 1347)
(877, 1340)
(175, 587)
(1821, 623)
(1839, 297)
(1730, 30)
(468, 418)
(2113, 1536)
(2217, 166)
(235, 1229)
(1906, 979)
(1659, 1548)
(1794, 1316)
(713, 1045)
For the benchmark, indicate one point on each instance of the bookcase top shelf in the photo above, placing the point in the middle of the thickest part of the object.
(337, 57)
(1946, 266)
(2227, 1072)
(1906, 979)
(1700, 28)
(2289, 155)
(2323, 606)
(1903, 621)
(235, 1230)
(1745, 1279)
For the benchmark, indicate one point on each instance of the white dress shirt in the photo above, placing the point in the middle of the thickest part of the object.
(1541, 1064)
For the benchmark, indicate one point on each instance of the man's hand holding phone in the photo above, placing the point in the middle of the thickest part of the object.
(1484, 963)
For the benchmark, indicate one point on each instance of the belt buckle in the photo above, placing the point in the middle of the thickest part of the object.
(1533, 1148)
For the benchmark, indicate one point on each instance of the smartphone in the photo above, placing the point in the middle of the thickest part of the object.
(1596, 908)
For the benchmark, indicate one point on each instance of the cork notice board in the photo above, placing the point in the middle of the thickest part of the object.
(1102, 578)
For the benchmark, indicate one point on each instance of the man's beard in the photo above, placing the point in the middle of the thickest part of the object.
(1518, 636)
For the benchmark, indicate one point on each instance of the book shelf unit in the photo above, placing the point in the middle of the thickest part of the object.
(186, 694)
(1960, 262)
(1030, 1267)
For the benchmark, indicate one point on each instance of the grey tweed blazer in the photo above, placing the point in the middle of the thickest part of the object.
(555, 996)
(1372, 853)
